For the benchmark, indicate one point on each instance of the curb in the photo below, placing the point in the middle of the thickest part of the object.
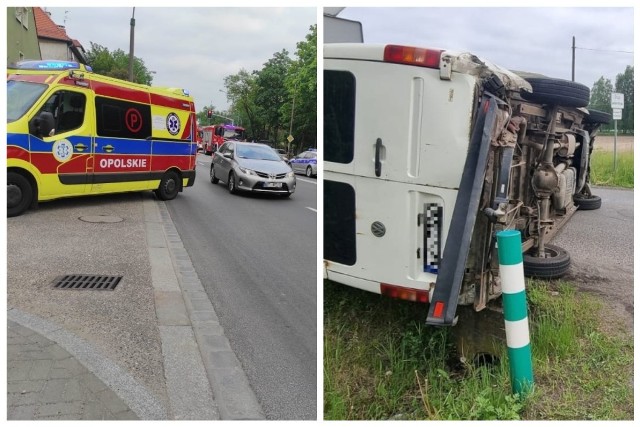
(233, 395)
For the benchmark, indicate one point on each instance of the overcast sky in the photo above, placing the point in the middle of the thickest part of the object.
(192, 47)
(526, 39)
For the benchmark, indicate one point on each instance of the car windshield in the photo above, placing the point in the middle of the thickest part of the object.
(256, 152)
(237, 134)
(20, 97)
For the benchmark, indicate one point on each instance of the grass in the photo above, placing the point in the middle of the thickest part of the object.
(602, 171)
(382, 362)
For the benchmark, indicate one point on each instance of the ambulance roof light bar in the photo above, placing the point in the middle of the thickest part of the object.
(50, 65)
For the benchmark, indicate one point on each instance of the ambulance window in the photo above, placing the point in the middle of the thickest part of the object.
(122, 119)
(71, 115)
(339, 115)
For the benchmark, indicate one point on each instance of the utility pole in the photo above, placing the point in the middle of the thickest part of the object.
(133, 24)
(573, 60)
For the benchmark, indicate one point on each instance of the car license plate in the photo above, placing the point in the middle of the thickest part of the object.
(273, 184)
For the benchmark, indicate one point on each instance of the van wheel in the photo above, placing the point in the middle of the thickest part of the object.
(557, 92)
(169, 186)
(19, 194)
(587, 203)
(555, 265)
(598, 117)
(212, 175)
(231, 183)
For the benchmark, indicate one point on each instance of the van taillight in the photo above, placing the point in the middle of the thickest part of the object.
(429, 58)
(400, 292)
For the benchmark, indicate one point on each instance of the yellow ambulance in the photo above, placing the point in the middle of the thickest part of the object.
(71, 132)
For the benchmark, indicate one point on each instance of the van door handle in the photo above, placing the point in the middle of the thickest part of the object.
(378, 166)
(80, 147)
(107, 148)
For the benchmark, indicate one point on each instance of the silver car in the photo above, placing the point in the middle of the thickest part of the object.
(250, 166)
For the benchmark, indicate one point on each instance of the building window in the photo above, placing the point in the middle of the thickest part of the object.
(22, 15)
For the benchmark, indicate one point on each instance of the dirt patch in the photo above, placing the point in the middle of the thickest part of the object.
(606, 142)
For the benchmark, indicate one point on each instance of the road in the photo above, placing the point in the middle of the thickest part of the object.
(600, 243)
(256, 257)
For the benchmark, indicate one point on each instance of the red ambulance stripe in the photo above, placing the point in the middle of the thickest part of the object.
(166, 101)
(124, 93)
(35, 78)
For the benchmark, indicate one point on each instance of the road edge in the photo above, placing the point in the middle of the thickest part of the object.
(233, 395)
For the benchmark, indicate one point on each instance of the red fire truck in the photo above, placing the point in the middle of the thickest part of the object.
(214, 136)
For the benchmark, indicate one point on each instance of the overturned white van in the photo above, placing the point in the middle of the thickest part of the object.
(428, 153)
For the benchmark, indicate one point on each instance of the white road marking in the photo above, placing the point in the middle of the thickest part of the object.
(312, 209)
(306, 180)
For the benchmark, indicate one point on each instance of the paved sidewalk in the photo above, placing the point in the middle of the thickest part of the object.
(45, 382)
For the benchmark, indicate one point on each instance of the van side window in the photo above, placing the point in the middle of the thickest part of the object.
(67, 109)
(122, 119)
(339, 115)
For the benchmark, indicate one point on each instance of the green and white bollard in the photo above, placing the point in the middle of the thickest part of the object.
(514, 302)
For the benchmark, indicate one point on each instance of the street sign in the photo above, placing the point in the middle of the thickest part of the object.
(617, 100)
(290, 139)
(617, 114)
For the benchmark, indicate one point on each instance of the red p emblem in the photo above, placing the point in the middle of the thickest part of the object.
(133, 120)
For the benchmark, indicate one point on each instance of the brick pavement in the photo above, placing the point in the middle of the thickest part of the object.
(45, 382)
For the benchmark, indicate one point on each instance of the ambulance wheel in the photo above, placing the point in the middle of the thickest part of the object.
(19, 194)
(169, 186)
(231, 183)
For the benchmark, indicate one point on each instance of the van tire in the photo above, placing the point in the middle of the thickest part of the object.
(19, 194)
(552, 267)
(557, 92)
(587, 203)
(598, 117)
(212, 175)
(169, 186)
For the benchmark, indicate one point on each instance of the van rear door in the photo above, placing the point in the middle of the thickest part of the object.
(395, 143)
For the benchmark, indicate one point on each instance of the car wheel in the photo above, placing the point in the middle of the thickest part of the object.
(19, 194)
(557, 92)
(309, 172)
(555, 265)
(212, 175)
(231, 183)
(587, 203)
(169, 186)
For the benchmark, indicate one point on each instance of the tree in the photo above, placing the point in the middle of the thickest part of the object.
(301, 83)
(116, 64)
(624, 85)
(271, 93)
(241, 91)
(601, 95)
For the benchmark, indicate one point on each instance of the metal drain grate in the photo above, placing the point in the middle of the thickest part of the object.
(87, 282)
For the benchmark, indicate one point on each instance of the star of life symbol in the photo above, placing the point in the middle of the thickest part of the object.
(62, 150)
(173, 123)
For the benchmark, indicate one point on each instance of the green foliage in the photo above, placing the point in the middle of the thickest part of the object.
(116, 64)
(601, 99)
(381, 362)
(624, 85)
(264, 99)
(603, 173)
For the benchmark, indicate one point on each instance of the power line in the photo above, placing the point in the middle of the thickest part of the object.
(604, 50)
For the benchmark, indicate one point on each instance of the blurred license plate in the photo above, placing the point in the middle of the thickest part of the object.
(273, 184)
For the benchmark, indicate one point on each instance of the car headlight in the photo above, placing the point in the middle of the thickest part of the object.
(247, 171)
(291, 174)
